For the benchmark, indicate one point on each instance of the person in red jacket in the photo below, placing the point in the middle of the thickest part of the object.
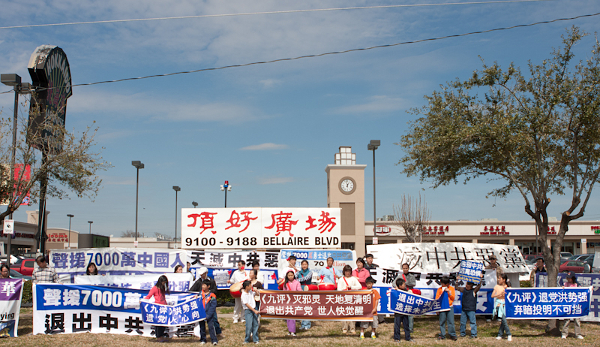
(447, 317)
(158, 292)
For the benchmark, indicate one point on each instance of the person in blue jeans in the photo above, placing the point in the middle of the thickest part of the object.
(498, 294)
(447, 292)
(250, 312)
(401, 318)
(468, 300)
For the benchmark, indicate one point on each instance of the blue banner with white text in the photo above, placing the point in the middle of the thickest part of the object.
(547, 303)
(413, 305)
(187, 312)
(470, 271)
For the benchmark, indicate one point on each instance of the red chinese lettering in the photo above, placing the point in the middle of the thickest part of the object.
(326, 222)
(207, 220)
(234, 220)
(311, 223)
(283, 223)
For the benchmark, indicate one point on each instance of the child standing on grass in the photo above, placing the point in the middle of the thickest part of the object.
(401, 318)
(250, 313)
(209, 302)
(498, 294)
(468, 300)
(571, 283)
(158, 292)
(290, 283)
(447, 317)
(365, 325)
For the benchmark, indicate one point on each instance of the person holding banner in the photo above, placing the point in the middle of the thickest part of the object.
(401, 318)
(291, 284)
(158, 292)
(327, 274)
(365, 325)
(447, 317)
(250, 312)
(410, 281)
(498, 294)
(571, 283)
(197, 287)
(238, 276)
(468, 300)
(348, 282)
(209, 301)
(304, 276)
(361, 273)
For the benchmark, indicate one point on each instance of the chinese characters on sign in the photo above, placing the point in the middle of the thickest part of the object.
(260, 228)
(446, 257)
(318, 305)
(470, 271)
(413, 305)
(188, 312)
(547, 303)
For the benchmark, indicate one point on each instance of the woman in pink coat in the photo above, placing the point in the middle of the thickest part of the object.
(291, 283)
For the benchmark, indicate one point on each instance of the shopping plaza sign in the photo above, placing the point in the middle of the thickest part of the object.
(260, 228)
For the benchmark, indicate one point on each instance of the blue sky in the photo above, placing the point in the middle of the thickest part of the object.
(269, 129)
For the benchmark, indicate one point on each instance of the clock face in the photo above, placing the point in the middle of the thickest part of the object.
(347, 185)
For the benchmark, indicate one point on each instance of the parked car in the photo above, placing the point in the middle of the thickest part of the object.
(24, 266)
(573, 266)
(15, 274)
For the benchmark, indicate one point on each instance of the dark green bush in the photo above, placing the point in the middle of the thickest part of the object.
(27, 292)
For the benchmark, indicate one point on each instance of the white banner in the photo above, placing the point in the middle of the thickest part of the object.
(72, 308)
(446, 257)
(116, 261)
(177, 282)
(272, 228)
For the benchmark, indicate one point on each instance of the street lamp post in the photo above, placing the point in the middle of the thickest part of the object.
(90, 226)
(372, 147)
(138, 165)
(14, 80)
(176, 189)
(70, 216)
(226, 187)
(195, 204)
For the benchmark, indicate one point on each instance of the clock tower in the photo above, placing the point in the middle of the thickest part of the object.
(346, 189)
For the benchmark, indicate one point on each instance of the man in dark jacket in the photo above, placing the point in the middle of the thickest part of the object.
(209, 301)
(197, 287)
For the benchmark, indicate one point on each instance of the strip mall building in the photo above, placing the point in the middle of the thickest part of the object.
(345, 189)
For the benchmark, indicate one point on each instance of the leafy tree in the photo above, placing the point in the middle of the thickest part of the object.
(74, 169)
(537, 133)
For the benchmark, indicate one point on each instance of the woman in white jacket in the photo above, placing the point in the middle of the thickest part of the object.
(348, 282)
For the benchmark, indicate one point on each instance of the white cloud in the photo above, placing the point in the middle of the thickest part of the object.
(268, 83)
(143, 105)
(264, 147)
(274, 180)
(375, 104)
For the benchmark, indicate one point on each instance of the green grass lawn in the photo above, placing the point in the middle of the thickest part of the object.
(528, 333)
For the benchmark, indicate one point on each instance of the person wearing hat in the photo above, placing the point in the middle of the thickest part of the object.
(493, 265)
(571, 283)
(197, 287)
